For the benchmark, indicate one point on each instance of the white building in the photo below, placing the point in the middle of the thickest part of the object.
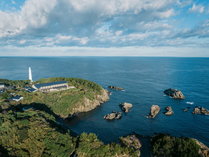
(16, 98)
(30, 77)
(2, 86)
(52, 86)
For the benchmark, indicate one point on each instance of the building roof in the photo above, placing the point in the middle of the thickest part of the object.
(49, 84)
(17, 97)
(30, 89)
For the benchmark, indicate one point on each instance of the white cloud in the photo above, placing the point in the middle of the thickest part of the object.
(34, 14)
(166, 14)
(22, 41)
(197, 8)
(64, 39)
(98, 23)
(71, 16)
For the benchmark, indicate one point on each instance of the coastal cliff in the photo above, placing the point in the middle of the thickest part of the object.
(87, 104)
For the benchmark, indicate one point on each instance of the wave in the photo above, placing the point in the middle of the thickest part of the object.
(190, 102)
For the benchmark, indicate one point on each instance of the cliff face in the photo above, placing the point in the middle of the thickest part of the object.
(88, 105)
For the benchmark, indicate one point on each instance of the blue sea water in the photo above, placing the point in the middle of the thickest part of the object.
(144, 80)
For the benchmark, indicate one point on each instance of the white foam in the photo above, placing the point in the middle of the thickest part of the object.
(190, 102)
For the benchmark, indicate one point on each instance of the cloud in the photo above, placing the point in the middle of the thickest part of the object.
(33, 15)
(99, 23)
(197, 8)
(111, 51)
(200, 31)
(75, 17)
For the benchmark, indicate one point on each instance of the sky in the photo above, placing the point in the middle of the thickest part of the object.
(104, 28)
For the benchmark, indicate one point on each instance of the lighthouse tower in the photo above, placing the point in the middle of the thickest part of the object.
(30, 74)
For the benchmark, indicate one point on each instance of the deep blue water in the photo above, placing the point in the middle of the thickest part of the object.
(144, 80)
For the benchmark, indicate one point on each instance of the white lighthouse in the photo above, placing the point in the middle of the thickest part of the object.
(30, 74)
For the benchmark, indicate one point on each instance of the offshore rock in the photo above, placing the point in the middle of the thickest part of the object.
(174, 93)
(126, 106)
(154, 110)
(115, 87)
(169, 111)
(201, 110)
(113, 115)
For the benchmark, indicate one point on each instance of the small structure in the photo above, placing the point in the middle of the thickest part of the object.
(30, 77)
(30, 89)
(16, 98)
(2, 86)
(52, 86)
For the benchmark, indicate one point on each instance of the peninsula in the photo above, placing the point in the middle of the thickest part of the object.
(64, 96)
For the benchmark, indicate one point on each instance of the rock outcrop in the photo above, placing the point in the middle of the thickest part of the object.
(204, 150)
(169, 111)
(115, 87)
(113, 115)
(126, 106)
(201, 110)
(174, 93)
(131, 141)
(154, 110)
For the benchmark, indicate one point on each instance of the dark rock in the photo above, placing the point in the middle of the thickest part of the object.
(154, 110)
(201, 110)
(113, 115)
(169, 111)
(115, 87)
(174, 93)
(126, 106)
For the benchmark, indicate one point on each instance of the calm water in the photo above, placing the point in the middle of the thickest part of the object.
(144, 80)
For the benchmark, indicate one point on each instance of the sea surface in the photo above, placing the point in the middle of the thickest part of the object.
(144, 80)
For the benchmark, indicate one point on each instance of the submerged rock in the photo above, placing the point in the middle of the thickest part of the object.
(201, 110)
(113, 115)
(115, 87)
(186, 109)
(126, 106)
(174, 93)
(154, 110)
(131, 141)
(169, 111)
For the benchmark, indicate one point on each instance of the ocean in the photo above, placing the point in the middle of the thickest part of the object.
(144, 80)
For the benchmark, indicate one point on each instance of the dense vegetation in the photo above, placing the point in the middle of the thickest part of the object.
(15, 83)
(35, 133)
(61, 103)
(165, 145)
